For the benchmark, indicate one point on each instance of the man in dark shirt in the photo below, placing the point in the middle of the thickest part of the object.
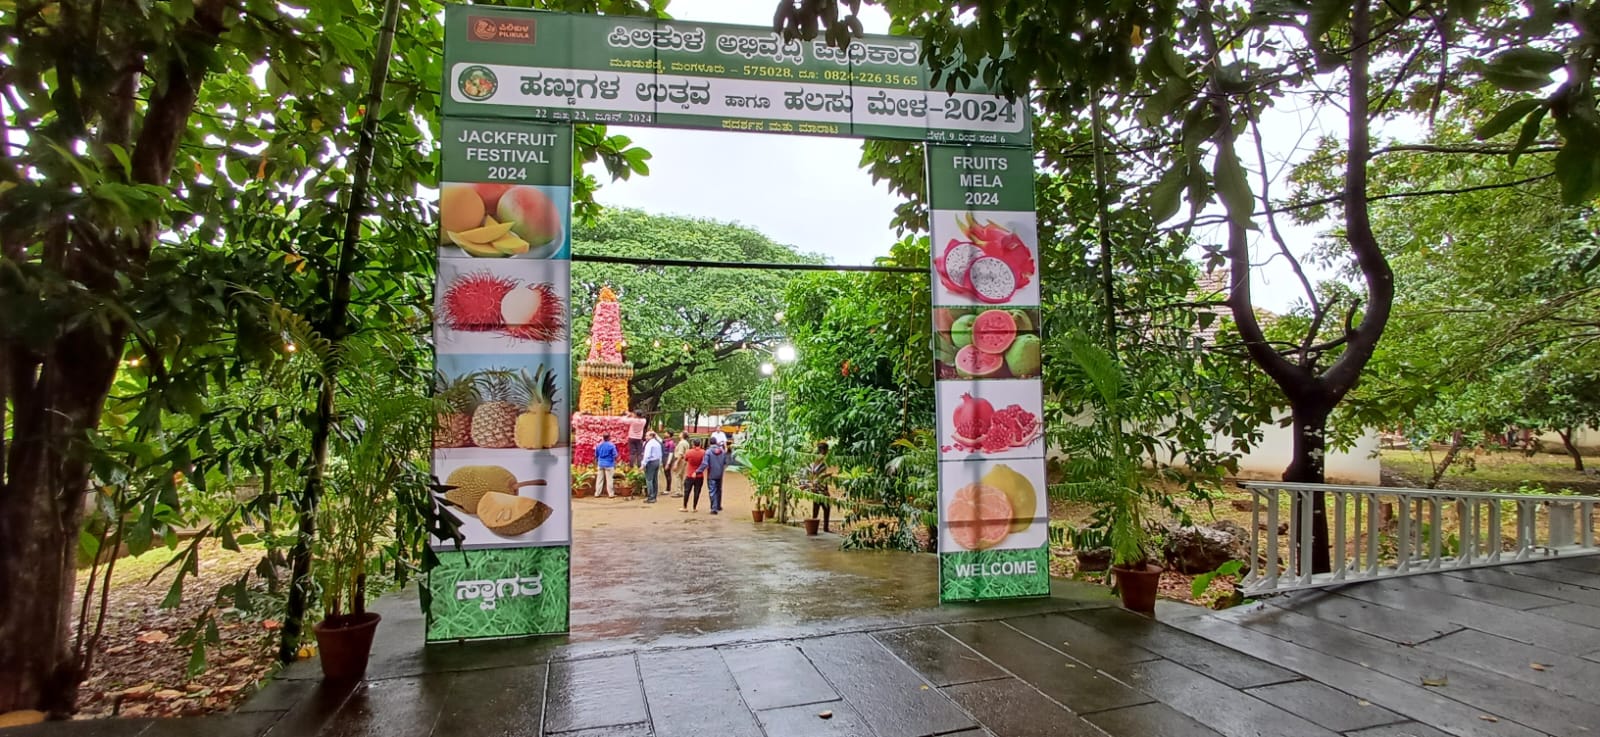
(605, 463)
(713, 465)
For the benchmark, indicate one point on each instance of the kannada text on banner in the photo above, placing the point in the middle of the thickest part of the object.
(633, 71)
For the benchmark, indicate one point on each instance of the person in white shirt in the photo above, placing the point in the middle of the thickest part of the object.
(718, 437)
(652, 466)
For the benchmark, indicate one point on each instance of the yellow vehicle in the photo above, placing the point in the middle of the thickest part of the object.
(733, 425)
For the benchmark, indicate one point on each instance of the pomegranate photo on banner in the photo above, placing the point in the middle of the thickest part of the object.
(990, 419)
(505, 498)
(502, 402)
(513, 306)
(499, 221)
(992, 505)
(985, 258)
(986, 342)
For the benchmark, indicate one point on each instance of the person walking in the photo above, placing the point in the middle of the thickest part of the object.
(605, 463)
(713, 465)
(652, 467)
(693, 479)
(676, 463)
(668, 445)
(816, 482)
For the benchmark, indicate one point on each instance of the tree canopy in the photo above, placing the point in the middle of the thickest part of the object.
(683, 322)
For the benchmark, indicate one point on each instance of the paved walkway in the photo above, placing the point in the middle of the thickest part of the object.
(651, 574)
(1510, 652)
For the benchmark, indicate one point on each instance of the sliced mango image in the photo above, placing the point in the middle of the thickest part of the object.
(511, 245)
(483, 250)
(484, 234)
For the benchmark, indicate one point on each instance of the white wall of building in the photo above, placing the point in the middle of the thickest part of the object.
(1356, 465)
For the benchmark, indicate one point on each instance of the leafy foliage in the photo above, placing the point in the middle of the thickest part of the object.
(681, 322)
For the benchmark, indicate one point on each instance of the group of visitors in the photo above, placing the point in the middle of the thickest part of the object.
(682, 458)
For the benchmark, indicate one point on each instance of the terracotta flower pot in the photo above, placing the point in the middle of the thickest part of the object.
(756, 515)
(344, 642)
(1137, 586)
(812, 525)
(767, 514)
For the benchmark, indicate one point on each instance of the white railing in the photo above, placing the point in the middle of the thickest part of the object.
(1382, 532)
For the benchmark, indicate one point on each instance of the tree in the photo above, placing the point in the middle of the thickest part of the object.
(1495, 313)
(864, 375)
(679, 321)
(1206, 73)
(131, 137)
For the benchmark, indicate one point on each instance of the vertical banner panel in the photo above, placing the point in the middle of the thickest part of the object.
(501, 341)
(993, 509)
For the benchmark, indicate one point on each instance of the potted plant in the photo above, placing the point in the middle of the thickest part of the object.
(378, 454)
(629, 479)
(582, 481)
(1103, 468)
(1091, 546)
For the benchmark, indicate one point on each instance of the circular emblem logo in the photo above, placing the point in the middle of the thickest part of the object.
(477, 82)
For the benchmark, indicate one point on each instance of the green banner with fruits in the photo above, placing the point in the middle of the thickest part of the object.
(993, 511)
(637, 71)
(501, 344)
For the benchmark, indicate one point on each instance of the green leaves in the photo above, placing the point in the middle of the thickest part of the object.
(1229, 178)
(1507, 117)
(1522, 69)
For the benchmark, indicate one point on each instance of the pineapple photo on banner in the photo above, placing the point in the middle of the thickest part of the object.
(502, 443)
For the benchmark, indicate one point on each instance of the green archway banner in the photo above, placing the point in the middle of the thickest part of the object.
(516, 81)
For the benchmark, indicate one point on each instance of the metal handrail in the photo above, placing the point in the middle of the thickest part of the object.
(1360, 535)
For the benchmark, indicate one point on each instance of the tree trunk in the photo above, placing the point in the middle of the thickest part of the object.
(41, 501)
(1307, 467)
(1572, 450)
(1449, 458)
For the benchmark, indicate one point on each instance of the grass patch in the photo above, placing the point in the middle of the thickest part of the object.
(1488, 470)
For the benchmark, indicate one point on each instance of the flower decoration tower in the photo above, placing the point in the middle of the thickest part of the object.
(602, 384)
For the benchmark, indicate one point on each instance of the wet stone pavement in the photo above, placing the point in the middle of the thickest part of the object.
(1427, 656)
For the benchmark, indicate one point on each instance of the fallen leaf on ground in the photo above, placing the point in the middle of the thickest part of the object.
(1487, 718)
(1537, 666)
(20, 718)
(1440, 681)
(270, 624)
(153, 636)
(825, 714)
(168, 694)
(1363, 702)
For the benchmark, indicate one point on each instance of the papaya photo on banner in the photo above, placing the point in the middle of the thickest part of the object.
(990, 419)
(987, 342)
(505, 498)
(985, 258)
(992, 505)
(510, 306)
(492, 222)
(502, 401)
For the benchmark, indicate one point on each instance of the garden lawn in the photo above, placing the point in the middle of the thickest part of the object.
(1488, 470)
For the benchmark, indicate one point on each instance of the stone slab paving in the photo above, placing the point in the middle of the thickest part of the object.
(1494, 653)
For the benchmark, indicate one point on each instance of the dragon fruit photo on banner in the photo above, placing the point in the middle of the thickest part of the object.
(990, 419)
(985, 258)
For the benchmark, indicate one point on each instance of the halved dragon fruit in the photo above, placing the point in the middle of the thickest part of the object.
(953, 266)
(993, 281)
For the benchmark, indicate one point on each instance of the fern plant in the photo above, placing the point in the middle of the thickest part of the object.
(1103, 460)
